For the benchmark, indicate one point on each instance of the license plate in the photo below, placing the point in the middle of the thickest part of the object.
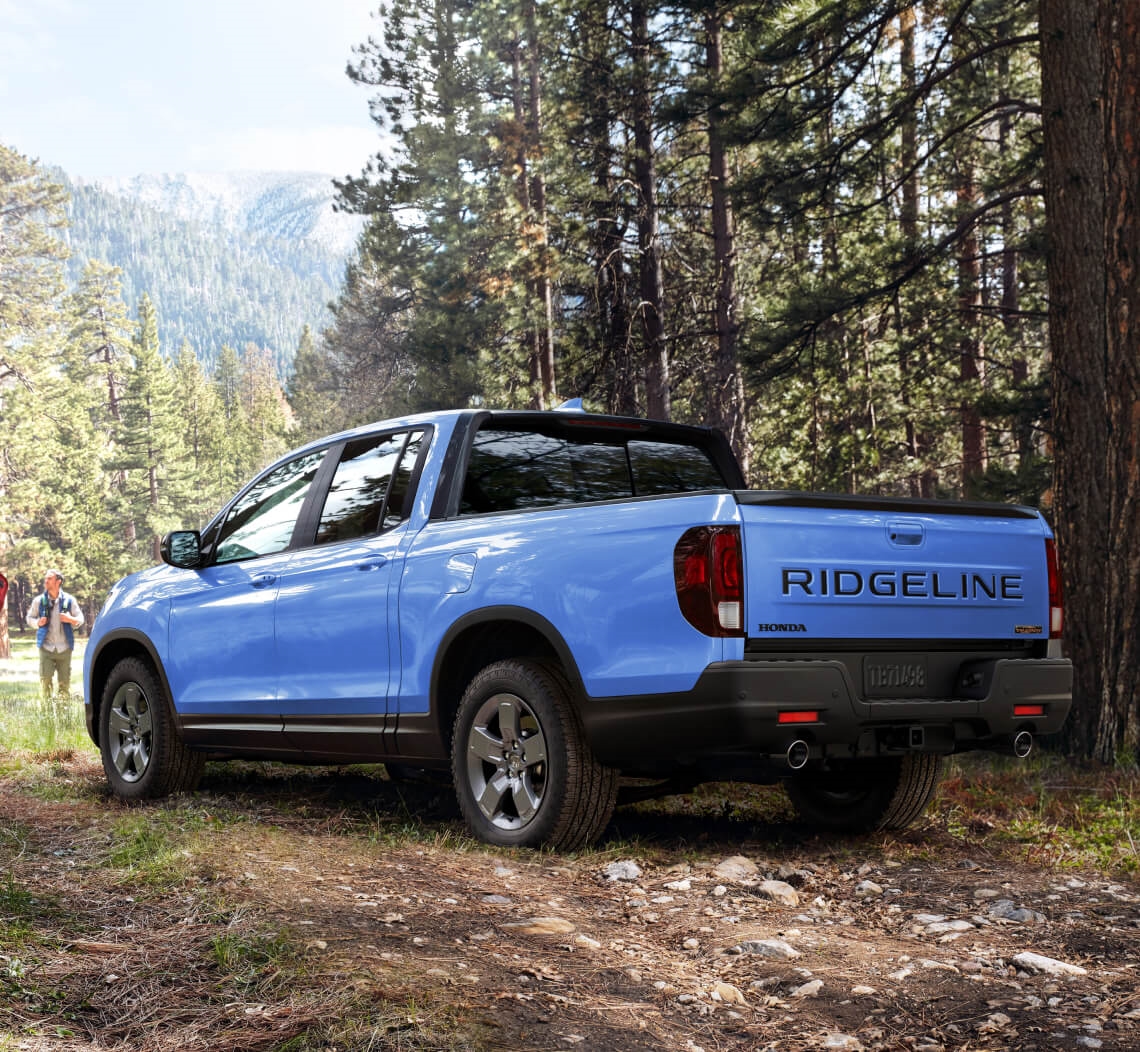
(895, 676)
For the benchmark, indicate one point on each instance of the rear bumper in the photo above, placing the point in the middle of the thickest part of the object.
(731, 719)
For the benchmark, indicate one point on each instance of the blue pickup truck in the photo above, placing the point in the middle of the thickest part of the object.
(553, 606)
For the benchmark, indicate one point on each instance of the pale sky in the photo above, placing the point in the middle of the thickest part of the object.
(128, 87)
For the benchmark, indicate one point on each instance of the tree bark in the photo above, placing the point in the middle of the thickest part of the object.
(5, 645)
(652, 283)
(608, 216)
(1119, 723)
(544, 284)
(908, 313)
(971, 362)
(1071, 82)
(728, 384)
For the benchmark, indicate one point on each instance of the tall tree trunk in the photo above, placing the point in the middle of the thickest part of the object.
(652, 284)
(1071, 83)
(1119, 724)
(1010, 293)
(544, 283)
(728, 384)
(908, 314)
(5, 645)
(607, 213)
(532, 338)
(971, 363)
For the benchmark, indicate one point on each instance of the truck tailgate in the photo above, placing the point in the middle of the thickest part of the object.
(838, 568)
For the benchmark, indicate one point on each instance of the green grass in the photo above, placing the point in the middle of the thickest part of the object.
(30, 723)
(160, 848)
(1059, 815)
(252, 960)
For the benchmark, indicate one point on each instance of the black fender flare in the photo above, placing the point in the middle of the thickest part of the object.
(488, 614)
(112, 639)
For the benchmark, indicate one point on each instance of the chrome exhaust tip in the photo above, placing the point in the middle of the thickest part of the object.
(1022, 744)
(797, 755)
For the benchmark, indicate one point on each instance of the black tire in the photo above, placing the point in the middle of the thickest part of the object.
(143, 757)
(524, 774)
(887, 793)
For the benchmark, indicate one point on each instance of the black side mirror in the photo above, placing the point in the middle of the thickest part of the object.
(182, 548)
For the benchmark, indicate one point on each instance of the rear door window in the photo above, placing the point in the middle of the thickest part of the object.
(369, 487)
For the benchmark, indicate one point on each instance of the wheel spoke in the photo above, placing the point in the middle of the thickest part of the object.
(131, 697)
(485, 745)
(534, 750)
(143, 724)
(142, 756)
(525, 798)
(492, 795)
(509, 721)
(117, 722)
(123, 757)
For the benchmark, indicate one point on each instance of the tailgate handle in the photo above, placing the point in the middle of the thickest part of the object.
(905, 534)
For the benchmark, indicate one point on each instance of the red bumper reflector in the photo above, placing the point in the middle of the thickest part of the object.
(1029, 710)
(798, 717)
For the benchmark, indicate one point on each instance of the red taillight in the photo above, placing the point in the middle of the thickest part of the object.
(1029, 710)
(1056, 602)
(707, 572)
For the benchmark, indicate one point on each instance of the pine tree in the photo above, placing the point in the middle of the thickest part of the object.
(201, 416)
(311, 391)
(99, 350)
(147, 443)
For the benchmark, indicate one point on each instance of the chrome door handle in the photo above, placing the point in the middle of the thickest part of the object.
(263, 580)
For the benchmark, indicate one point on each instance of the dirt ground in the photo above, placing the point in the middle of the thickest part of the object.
(279, 909)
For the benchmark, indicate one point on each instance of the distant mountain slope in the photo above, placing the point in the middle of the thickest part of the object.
(232, 258)
(291, 206)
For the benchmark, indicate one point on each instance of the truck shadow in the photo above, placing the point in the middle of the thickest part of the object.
(717, 817)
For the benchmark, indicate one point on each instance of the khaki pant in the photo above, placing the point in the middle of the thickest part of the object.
(58, 663)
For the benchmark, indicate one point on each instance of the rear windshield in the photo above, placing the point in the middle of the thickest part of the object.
(511, 470)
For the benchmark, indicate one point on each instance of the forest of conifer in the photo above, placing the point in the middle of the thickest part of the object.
(886, 247)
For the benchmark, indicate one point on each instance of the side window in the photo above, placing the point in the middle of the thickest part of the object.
(666, 467)
(513, 470)
(369, 487)
(262, 521)
(396, 510)
(516, 469)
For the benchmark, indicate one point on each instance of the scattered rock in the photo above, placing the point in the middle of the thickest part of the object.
(728, 993)
(1038, 965)
(943, 927)
(778, 891)
(938, 966)
(736, 868)
(810, 989)
(622, 871)
(541, 926)
(1005, 909)
(776, 949)
(868, 889)
(843, 1042)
